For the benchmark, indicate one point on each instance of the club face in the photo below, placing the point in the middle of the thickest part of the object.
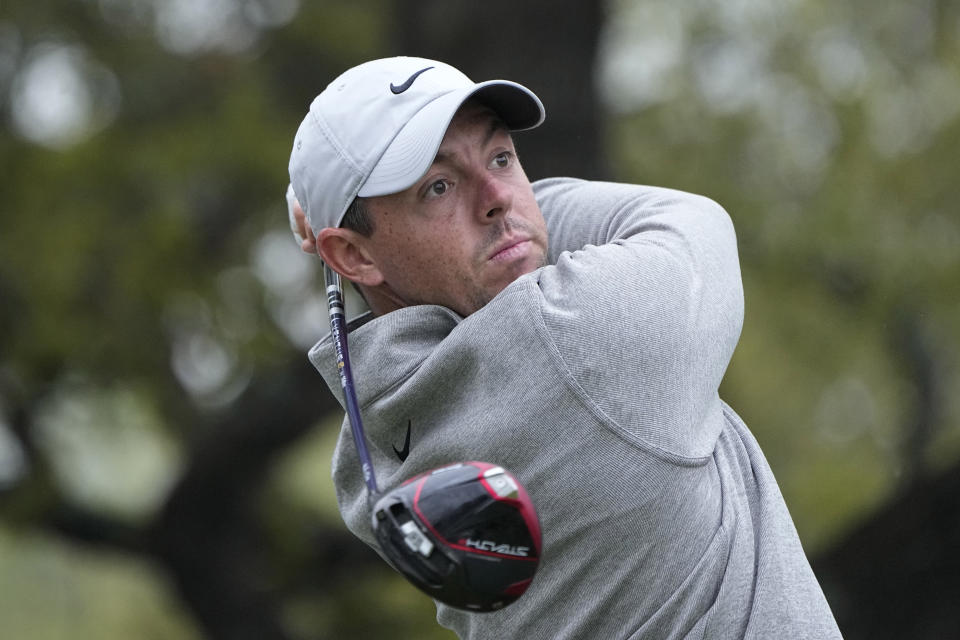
(465, 534)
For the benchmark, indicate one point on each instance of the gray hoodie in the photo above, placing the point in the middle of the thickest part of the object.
(594, 380)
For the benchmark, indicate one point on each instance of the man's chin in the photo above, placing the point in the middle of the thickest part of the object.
(504, 276)
(515, 270)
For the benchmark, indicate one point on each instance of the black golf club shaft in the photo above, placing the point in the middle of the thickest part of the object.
(338, 329)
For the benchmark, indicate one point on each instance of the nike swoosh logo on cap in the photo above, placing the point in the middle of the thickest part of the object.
(398, 89)
(403, 453)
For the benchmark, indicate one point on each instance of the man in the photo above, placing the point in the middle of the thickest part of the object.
(575, 333)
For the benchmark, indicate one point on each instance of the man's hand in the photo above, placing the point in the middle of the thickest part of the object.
(298, 224)
(308, 242)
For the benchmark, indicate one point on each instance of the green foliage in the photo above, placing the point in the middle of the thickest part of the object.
(133, 306)
(52, 591)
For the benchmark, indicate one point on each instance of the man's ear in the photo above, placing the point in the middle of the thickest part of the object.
(346, 252)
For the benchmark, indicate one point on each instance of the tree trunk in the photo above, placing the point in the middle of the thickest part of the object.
(898, 574)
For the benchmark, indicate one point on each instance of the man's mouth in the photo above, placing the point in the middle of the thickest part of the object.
(511, 249)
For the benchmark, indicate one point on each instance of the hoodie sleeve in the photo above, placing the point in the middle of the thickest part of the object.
(643, 301)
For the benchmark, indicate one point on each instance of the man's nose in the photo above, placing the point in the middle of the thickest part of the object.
(495, 198)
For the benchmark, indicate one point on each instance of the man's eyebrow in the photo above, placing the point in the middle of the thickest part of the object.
(496, 124)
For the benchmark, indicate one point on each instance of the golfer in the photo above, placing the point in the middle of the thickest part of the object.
(574, 332)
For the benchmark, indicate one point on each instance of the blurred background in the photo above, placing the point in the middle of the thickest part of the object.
(164, 444)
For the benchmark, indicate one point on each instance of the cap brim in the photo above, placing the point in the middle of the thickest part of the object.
(415, 147)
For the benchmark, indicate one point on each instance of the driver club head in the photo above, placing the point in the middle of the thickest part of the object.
(466, 534)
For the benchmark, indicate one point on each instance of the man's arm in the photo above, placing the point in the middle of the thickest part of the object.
(644, 301)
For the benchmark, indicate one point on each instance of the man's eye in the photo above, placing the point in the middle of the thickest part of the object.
(438, 188)
(502, 160)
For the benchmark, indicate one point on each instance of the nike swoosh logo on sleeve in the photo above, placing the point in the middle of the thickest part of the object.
(403, 453)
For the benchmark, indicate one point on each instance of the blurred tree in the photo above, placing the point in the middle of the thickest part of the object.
(143, 248)
(895, 576)
(144, 164)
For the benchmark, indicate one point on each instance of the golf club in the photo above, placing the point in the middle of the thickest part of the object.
(467, 533)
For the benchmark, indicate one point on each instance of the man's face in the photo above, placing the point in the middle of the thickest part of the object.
(468, 228)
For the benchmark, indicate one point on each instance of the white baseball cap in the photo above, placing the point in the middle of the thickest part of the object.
(375, 130)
